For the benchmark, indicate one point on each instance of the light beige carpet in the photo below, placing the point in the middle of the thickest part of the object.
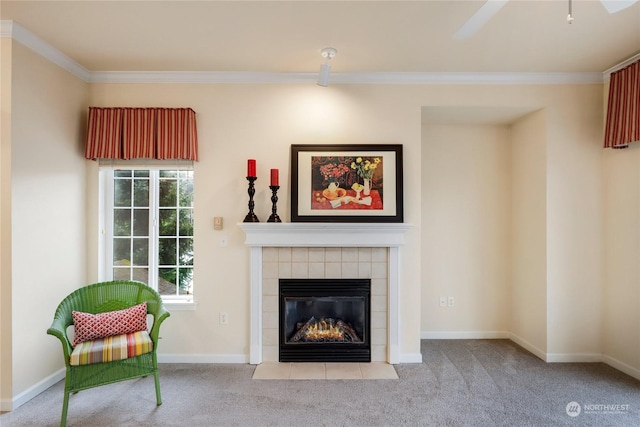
(460, 383)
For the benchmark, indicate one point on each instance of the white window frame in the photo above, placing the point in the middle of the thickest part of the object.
(105, 214)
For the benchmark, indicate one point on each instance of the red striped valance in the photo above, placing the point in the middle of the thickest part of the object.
(623, 109)
(141, 133)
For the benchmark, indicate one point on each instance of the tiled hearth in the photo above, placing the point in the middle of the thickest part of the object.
(323, 250)
(325, 371)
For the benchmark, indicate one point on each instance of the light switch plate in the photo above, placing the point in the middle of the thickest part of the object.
(217, 223)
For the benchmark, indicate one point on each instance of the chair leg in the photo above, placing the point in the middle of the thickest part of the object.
(65, 406)
(156, 375)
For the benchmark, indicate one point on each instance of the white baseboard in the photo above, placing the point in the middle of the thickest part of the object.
(621, 366)
(22, 398)
(528, 346)
(463, 335)
(203, 358)
(573, 358)
(557, 357)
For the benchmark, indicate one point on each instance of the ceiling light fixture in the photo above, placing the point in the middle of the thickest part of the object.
(327, 53)
(570, 15)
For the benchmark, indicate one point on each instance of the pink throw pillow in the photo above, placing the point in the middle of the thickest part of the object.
(95, 326)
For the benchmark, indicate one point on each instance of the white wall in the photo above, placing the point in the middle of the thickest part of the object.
(528, 283)
(466, 220)
(48, 208)
(575, 243)
(621, 332)
(5, 224)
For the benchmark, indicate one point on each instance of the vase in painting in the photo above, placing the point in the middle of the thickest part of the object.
(367, 187)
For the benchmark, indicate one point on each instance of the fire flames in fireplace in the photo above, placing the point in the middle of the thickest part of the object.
(326, 329)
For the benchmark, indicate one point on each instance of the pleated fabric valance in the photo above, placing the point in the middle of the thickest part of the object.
(623, 108)
(141, 133)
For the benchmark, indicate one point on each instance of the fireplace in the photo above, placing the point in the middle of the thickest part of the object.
(323, 250)
(324, 320)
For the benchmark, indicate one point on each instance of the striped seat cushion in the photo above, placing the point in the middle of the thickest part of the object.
(111, 348)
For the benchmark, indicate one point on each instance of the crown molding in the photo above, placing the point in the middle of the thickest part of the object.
(25, 37)
(467, 78)
(389, 78)
(11, 29)
(248, 77)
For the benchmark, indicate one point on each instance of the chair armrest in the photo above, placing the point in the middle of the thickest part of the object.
(59, 329)
(159, 317)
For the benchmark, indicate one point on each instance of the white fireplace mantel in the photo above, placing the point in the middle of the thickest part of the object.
(325, 234)
(259, 235)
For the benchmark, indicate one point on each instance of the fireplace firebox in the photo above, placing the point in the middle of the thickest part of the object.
(325, 320)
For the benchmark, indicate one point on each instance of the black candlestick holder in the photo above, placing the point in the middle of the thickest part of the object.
(274, 201)
(251, 217)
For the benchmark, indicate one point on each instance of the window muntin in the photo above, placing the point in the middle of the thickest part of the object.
(150, 237)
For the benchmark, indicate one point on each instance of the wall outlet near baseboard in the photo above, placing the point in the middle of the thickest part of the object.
(451, 302)
(443, 301)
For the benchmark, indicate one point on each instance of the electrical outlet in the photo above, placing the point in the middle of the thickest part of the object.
(451, 302)
(224, 318)
(443, 301)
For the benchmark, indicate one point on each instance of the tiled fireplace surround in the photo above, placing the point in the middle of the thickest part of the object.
(320, 250)
(320, 263)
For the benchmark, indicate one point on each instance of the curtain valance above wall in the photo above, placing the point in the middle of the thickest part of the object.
(623, 108)
(141, 133)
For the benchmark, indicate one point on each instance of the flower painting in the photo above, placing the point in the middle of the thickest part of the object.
(346, 182)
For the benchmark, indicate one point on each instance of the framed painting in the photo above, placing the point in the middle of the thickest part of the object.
(346, 183)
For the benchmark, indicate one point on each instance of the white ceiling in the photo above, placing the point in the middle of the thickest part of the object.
(370, 36)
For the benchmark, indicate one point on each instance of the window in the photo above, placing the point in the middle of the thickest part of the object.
(148, 228)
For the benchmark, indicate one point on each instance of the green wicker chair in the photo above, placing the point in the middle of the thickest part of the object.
(100, 298)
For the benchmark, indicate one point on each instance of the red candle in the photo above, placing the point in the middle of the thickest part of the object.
(251, 167)
(274, 177)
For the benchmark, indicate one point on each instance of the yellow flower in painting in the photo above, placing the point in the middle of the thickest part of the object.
(365, 167)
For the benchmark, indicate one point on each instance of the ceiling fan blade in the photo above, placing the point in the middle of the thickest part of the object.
(478, 19)
(614, 6)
